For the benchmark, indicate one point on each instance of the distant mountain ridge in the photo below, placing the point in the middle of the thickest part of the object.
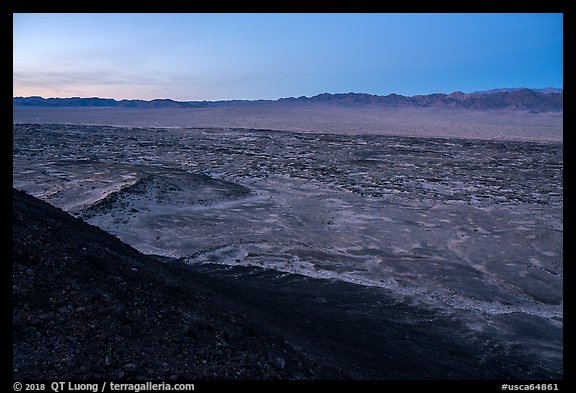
(548, 99)
(546, 90)
(507, 99)
(103, 102)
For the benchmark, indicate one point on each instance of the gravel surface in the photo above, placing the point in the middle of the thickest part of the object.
(87, 306)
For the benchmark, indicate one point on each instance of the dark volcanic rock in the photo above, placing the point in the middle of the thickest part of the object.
(85, 306)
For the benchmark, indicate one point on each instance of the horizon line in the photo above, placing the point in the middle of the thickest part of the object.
(290, 97)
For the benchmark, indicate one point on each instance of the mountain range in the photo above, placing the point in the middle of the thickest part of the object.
(548, 99)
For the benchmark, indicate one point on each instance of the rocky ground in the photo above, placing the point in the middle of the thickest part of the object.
(87, 306)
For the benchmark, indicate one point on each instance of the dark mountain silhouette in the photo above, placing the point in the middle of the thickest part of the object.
(523, 99)
(102, 102)
(548, 99)
(520, 99)
(73, 101)
(546, 90)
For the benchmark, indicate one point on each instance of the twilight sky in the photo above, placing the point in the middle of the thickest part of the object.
(268, 56)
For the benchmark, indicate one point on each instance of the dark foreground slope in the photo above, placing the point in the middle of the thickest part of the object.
(88, 306)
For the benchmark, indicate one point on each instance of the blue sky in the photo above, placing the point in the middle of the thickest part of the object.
(268, 56)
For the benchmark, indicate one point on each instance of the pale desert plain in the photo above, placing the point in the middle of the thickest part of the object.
(444, 221)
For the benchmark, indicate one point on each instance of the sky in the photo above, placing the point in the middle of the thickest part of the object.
(268, 56)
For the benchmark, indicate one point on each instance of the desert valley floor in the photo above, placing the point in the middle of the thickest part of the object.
(469, 230)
